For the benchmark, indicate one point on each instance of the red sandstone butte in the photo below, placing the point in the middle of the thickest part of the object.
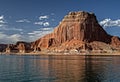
(77, 30)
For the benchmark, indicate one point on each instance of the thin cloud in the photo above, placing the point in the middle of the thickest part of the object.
(44, 30)
(23, 20)
(45, 24)
(47, 29)
(11, 29)
(4, 38)
(2, 20)
(43, 17)
(2, 26)
(3, 23)
(1, 17)
(6, 28)
(110, 23)
(39, 33)
(43, 21)
(38, 23)
(31, 36)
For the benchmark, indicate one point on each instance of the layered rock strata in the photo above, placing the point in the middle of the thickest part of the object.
(77, 30)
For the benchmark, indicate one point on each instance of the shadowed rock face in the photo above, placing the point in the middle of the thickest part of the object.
(76, 27)
(3, 47)
(23, 46)
(115, 41)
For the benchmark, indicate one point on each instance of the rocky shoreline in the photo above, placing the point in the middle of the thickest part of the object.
(86, 53)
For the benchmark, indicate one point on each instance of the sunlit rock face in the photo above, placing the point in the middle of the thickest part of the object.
(77, 30)
(82, 26)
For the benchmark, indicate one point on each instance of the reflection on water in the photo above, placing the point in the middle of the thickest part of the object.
(59, 68)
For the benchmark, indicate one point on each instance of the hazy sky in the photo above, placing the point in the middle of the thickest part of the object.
(28, 20)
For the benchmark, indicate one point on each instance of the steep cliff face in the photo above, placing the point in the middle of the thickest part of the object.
(76, 30)
(82, 26)
(45, 42)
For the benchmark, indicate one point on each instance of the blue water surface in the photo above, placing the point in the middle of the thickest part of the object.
(67, 68)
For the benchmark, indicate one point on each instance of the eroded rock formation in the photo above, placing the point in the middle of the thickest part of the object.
(78, 30)
(115, 42)
(23, 46)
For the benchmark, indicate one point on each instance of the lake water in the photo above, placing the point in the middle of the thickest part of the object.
(59, 68)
